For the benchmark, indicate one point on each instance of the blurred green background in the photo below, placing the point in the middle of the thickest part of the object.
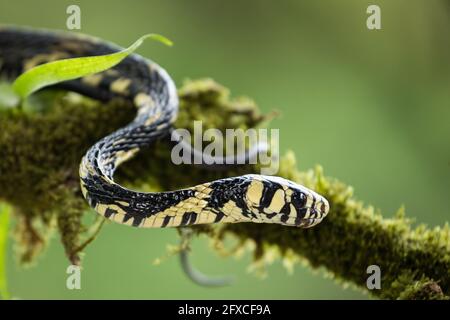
(372, 107)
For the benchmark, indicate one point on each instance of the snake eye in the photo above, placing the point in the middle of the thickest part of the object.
(299, 199)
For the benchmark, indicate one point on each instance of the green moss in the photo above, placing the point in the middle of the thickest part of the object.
(408, 286)
(40, 153)
(353, 237)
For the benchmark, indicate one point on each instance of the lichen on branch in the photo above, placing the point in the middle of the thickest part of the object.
(40, 154)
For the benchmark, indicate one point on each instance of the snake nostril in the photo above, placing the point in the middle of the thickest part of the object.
(322, 207)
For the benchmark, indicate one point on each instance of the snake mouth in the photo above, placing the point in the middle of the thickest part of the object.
(308, 223)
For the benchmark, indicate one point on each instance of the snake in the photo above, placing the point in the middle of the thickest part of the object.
(253, 198)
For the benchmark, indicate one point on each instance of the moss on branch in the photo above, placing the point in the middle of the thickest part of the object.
(40, 153)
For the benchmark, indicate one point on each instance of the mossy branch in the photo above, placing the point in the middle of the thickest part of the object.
(40, 154)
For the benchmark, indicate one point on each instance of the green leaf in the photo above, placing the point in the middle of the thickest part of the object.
(69, 69)
(8, 98)
(4, 225)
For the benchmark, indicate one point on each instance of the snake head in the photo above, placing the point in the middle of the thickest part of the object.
(277, 200)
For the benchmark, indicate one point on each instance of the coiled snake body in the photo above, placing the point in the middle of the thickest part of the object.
(248, 198)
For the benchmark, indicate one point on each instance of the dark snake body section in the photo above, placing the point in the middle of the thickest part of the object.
(249, 198)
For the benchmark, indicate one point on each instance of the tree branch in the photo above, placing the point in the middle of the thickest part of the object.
(40, 154)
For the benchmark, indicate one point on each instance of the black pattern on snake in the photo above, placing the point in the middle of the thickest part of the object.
(248, 198)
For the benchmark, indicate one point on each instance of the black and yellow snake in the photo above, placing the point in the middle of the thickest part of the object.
(248, 198)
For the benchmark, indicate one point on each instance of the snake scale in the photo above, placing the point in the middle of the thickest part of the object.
(248, 198)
